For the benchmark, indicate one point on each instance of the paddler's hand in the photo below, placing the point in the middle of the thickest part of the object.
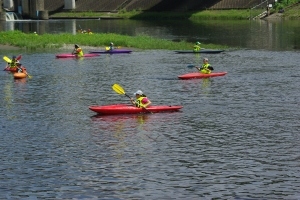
(132, 101)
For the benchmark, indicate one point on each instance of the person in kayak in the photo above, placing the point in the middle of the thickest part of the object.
(89, 31)
(111, 46)
(205, 68)
(13, 62)
(77, 50)
(197, 46)
(141, 100)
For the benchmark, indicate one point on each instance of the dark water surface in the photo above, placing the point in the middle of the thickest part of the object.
(237, 136)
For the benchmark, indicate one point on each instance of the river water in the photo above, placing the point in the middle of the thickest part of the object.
(237, 136)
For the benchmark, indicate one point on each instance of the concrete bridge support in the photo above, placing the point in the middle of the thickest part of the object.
(8, 4)
(2, 13)
(34, 9)
(70, 4)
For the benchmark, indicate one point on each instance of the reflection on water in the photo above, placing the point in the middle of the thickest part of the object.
(123, 132)
(253, 34)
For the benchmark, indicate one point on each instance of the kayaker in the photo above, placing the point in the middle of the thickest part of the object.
(111, 46)
(77, 50)
(197, 46)
(205, 68)
(141, 100)
(89, 31)
(13, 62)
(21, 68)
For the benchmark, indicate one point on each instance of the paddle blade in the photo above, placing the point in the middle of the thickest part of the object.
(190, 66)
(106, 48)
(7, 59)
(118, 89)
(19, 57)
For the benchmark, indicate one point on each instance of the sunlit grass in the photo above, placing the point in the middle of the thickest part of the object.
(136, 14)
(31, 41)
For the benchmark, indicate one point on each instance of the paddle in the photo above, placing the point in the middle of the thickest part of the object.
(28, 75)
(25, 72)
(7, 59)
(107, 48)
(118, 89)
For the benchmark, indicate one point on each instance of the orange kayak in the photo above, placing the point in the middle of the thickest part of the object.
(19, 75)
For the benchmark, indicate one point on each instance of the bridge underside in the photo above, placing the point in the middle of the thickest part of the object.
(38, 9)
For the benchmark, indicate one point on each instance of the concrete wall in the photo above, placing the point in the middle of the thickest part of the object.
(158, 5)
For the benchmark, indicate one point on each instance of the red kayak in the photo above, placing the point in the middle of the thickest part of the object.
(130, 109)
(11, 69)
(200, 75)
(68, 55)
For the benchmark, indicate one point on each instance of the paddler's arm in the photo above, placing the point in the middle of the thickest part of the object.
(132, 101)
(198, 68)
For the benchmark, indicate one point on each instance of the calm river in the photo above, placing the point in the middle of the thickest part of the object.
(237, 136)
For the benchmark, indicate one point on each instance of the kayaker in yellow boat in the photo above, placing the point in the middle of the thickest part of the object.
(197, 46)
(205, 68)
(141, 100)
(77, 50)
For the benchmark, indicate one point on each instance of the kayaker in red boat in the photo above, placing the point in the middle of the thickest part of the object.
(141, 100)
(77, 50)
(13, 62)
(205, 68)
(197, 46)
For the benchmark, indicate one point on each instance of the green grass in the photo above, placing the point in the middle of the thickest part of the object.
(135, 14)
(31, 41)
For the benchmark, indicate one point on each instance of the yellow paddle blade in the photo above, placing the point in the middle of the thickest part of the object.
(29, 76)
(7, 59)
(106, 48)
(118, 89)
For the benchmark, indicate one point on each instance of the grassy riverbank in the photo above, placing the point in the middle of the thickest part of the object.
(135, 14)
(31, 41)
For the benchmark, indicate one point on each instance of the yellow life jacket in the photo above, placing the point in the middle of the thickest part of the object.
(138, 102)
(205, 69)
(79, 51)
(13, 63)
(197, 48)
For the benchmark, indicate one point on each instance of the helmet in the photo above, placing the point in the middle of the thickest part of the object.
(139, 92)
(205, 59)
(198, 43)
(14, 57)
(111, 43)
(76, 46)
